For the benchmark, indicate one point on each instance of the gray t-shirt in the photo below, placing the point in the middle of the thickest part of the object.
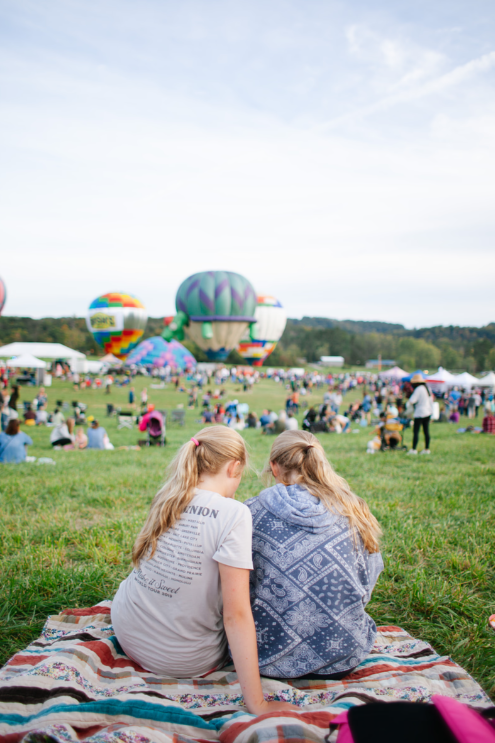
(167, 614)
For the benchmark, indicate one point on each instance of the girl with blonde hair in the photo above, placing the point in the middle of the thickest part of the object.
(189, 591)
(316, 560)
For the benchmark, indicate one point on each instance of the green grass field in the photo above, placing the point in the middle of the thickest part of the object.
(67, 531)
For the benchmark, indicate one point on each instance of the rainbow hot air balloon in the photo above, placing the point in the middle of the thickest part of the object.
(214, 308)
(258, 343)
(3, 295)
(117, 322)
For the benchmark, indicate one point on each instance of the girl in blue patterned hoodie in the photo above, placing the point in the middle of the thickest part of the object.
(316, 560)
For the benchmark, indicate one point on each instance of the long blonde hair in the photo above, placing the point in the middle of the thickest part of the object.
(215, 446)
(302, 460)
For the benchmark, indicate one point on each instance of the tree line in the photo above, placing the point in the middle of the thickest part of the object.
(456, 348)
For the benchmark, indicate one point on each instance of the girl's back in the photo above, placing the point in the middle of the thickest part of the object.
(309, 586)
(175, 597)
(316, 560)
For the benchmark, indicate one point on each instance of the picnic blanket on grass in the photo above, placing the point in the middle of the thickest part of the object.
(75, 683)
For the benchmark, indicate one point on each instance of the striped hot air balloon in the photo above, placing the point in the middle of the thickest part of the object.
(3, 294)
(257, 344)
(214, 308)
(117, 322)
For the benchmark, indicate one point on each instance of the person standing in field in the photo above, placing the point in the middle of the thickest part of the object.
(423, 408)
(144, 399)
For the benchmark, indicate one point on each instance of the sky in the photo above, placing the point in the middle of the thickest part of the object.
(340, 155)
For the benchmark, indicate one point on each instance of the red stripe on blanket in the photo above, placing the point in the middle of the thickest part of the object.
(12, 737)
(26, 660)
(391, 628)
(87, 612)
(104, 652)
(320, 719)
(391, 668)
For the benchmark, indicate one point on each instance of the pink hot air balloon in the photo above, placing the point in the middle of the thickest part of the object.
(3, 295)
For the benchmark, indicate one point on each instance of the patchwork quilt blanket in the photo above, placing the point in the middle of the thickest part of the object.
(75, 683)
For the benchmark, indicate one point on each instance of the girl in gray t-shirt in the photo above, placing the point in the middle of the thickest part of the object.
(188, 595)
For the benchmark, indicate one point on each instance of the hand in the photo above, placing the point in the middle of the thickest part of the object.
(264, 707)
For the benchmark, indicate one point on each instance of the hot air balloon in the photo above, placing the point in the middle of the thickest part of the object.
(117, 322)
(214, 308)
(3, 295)
(258, 343)
(158, 352)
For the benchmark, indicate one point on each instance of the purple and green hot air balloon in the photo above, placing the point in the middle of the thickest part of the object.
(214, 308)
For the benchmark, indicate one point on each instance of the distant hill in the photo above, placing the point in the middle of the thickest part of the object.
(456, 348)
(352, 326)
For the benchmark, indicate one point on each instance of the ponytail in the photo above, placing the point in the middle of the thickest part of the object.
(302, 460)
(206, 453)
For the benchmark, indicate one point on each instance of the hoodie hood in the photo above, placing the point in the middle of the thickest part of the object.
(296, 505)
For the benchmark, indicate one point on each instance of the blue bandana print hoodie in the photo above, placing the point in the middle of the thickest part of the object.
(309, 586)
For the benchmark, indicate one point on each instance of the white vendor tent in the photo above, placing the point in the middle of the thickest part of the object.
(109, 358)
(41, 350)
(26, 361)
(464, 380)
(394, 373)
(84, 366)
(487, 381)
(440, 377)
(440, 380)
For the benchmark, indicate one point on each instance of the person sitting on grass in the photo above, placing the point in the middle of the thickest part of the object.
(252, 420)
(316, 561)
(98, 437)
(41, 416)
(187, 598)
(13, 444)
(208, 416)
(30, 416)
(488, 422)
(276, 426)
(62, 435)
(291, 423)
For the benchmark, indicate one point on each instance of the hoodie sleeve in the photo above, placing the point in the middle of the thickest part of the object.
(375, 567)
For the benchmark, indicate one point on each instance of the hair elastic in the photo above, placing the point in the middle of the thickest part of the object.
(195, 441)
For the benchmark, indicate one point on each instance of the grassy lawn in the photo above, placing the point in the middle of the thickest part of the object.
(67, 531)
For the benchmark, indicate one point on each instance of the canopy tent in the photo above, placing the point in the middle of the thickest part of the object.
(408, 377)
(464, 380)
(26, 361)
(487, 381)
(395, 373)
(41, 350)
(439, 380)
(441, 376)
(109, 358)
(158, 352)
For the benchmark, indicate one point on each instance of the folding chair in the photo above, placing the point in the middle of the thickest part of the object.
(125, 418)
(178, 416)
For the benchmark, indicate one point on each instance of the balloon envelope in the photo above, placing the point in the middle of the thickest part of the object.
(270, 324)
(117, 322)
(157, 352)
(219, 306)
(3, 295)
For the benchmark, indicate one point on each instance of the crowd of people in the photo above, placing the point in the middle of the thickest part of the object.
(389, 407)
